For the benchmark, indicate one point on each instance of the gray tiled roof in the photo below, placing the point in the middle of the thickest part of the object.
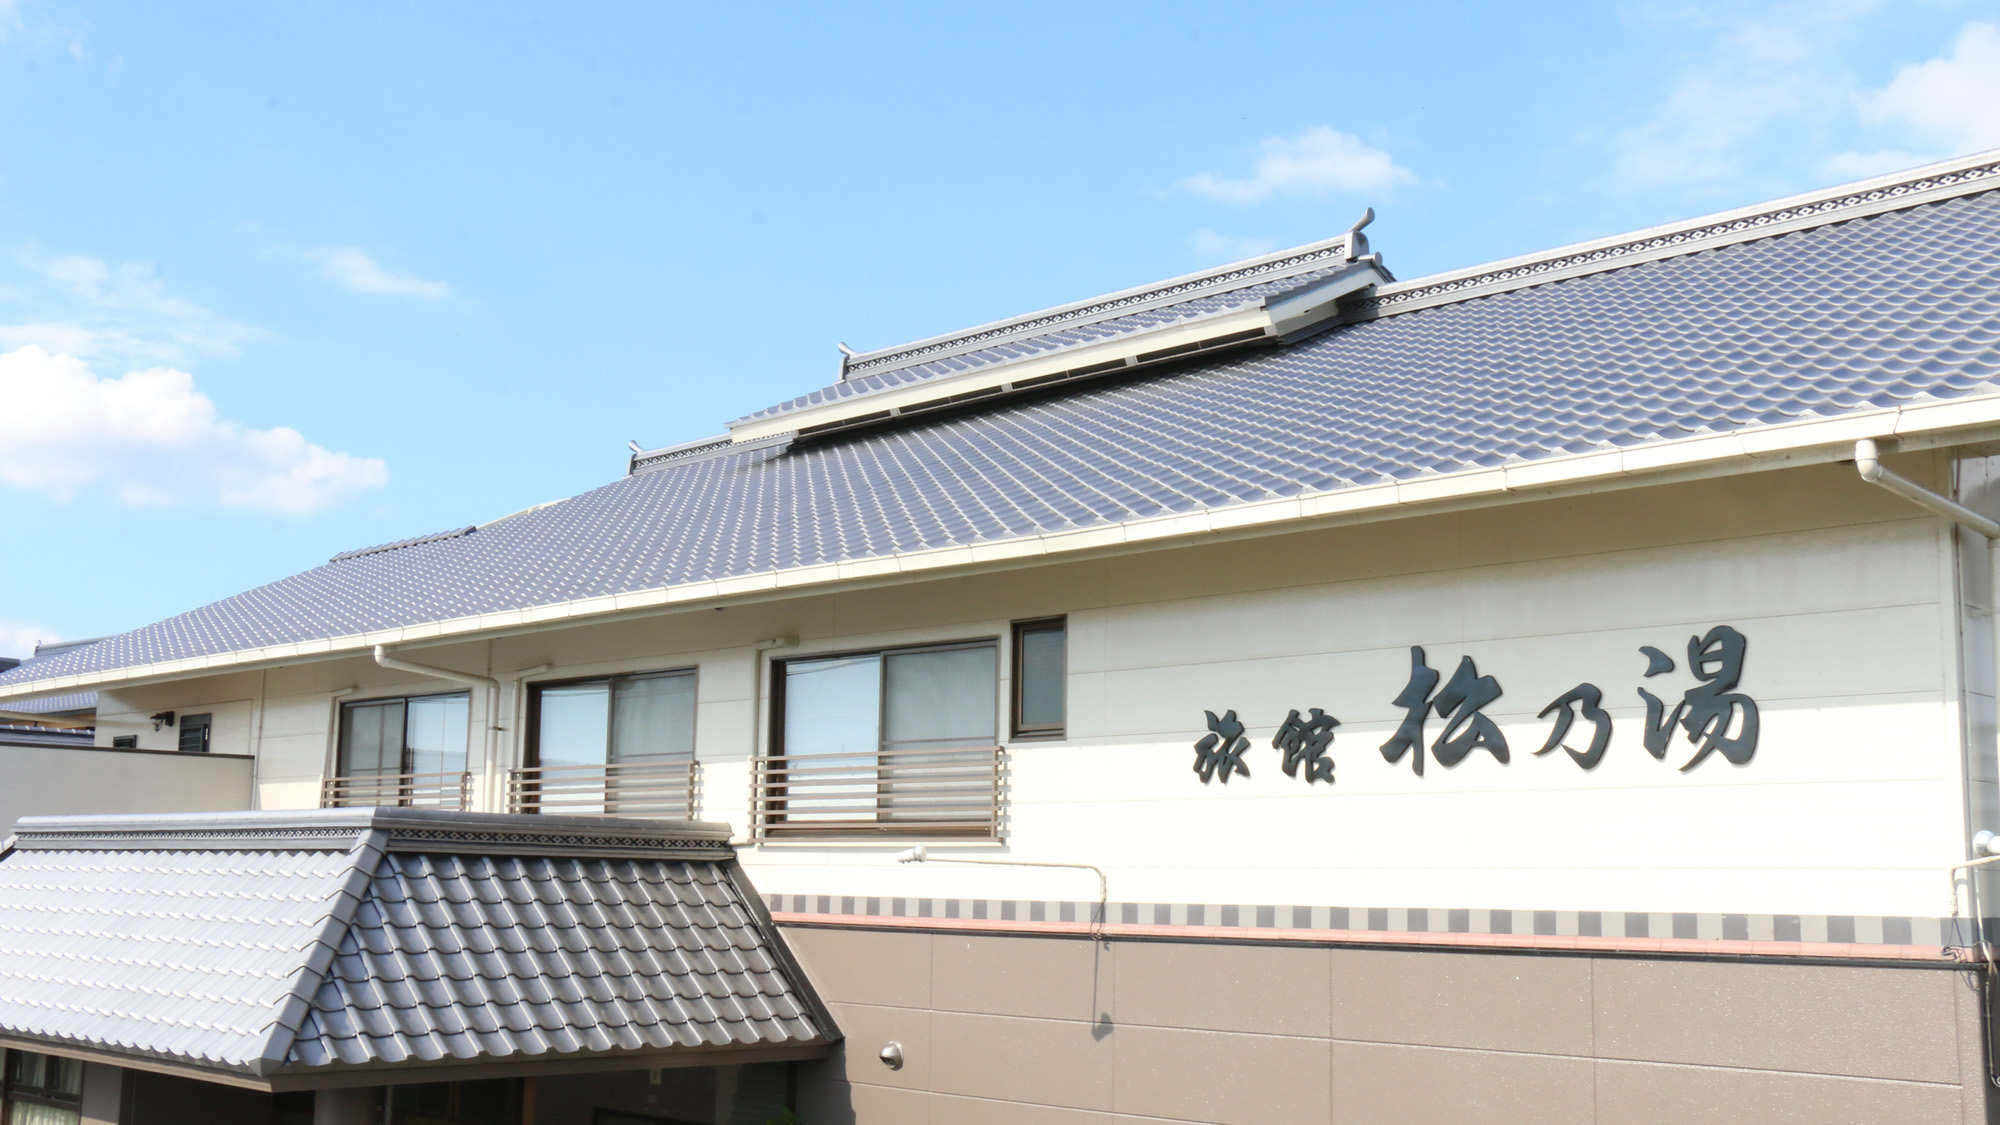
(287, 945)
(1890, 309)
(55, 704)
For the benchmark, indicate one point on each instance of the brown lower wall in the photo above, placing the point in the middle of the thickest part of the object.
(1028, 1030)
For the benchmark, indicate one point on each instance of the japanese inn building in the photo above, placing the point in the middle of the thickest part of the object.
(1560, 690)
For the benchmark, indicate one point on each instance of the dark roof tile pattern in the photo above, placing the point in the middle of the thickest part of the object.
(453, 958)
(349, 951)
(1896, 308)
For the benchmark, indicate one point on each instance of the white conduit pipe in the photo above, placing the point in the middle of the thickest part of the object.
(1868, 461)
(491, 685)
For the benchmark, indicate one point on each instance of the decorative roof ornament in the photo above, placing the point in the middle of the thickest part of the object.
(1357, 243)
(847, 355)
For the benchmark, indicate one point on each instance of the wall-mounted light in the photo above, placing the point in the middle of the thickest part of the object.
(163, 719)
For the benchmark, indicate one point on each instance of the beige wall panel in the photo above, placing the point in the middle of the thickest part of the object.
(1049, 978)
(1534, 1005)
(951, 1110)
(883, 967)
(61, 780)
(837, 1103)
(1652, 1094)
(1725, 508)
(1267, 990)
(1426, 544)
(1432, 1086)
(1877, 1023)
(1046, 1062)
(868, 1029)
(1220, 1077)
(296, 737)
(1755, 577)
(278, 796)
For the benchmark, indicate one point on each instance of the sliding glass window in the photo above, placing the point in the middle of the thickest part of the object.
(423, 734)
(867, 738)
(647, 717)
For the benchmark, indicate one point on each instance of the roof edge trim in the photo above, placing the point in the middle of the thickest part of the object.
(364, 857)
(1939, 422)
(1965, 175)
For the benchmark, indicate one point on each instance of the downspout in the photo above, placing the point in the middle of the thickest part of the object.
(491, 685)
(1868, 461)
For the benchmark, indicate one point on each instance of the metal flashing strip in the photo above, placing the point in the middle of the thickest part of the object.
(1781, 935)
(406, 831)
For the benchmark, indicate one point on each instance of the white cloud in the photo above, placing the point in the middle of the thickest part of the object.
(1214, 247)
(121, 313)
(354, 269)
(19, 638)
(1312, 162)
(151, 438)
(1765, 69)
(1952, 101)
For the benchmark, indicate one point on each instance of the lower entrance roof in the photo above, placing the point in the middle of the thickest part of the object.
(365, 946)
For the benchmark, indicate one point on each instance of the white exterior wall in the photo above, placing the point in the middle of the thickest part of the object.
(1848, 596)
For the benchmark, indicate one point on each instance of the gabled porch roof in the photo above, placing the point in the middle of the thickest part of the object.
(367, 946)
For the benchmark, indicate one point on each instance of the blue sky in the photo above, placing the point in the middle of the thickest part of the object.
(279, 280)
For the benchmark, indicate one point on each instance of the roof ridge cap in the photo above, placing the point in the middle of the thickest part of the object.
(364, 858)
(1276, 263)
(1945, 179)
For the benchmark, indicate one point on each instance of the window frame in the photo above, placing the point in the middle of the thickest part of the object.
(779, 664)
(771, 815)
(207, 725)
(12, 1094)
(403, 763)
(1017, 684)
(531, 744)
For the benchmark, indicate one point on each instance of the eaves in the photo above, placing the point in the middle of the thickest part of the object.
(1967, 420)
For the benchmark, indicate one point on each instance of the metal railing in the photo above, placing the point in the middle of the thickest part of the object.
(887, 793)
(408, 790)
(648, 788)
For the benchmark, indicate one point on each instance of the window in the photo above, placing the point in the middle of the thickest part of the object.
(423, 734)
(901, 739)
(125, 742)
(645, 717)
(611, 746)
(194, 733)
(42, 1090)
(1041, 677)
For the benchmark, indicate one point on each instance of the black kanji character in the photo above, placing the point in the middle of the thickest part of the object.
(1466, 728)
(1593, 709)
(1306, 741)
(1220, 751)
(1706, 713)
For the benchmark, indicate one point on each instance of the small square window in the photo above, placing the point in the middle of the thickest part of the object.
(125, 742)
(1041, 675)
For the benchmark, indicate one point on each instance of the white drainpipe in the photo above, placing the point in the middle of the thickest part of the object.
(1868, 460)
(491, 685)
